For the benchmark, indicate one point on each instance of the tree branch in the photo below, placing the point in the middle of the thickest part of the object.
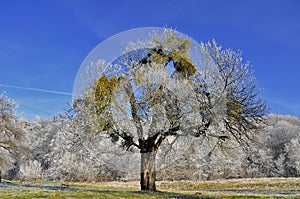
(123, 81)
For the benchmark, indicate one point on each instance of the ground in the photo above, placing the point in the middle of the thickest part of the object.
(236, 188)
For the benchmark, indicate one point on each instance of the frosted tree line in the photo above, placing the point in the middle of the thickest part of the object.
(58, 149)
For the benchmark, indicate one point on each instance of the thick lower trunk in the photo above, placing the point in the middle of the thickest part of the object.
(148, 171)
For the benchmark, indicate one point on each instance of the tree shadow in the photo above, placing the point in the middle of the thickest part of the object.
(158, 194)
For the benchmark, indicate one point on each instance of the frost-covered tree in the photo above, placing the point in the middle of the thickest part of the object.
(11, 133)
(62, 149)
(278, 154)
(41, 141)
(104, 161)
(151, 96)
(293, 151)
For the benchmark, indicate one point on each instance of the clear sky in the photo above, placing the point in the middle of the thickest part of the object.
(43, 42)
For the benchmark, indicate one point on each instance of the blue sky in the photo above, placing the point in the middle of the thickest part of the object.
(42, 43)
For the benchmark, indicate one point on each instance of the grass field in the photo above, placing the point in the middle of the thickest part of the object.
(237, 188)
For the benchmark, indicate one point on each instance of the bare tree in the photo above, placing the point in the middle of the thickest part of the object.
(149, 96)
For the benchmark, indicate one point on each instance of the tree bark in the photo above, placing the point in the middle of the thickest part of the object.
(148, 171)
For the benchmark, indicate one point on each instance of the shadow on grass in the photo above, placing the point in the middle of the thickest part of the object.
(158, 194)
(161, 194)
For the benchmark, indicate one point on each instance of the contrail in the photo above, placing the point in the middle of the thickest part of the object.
(36, 89)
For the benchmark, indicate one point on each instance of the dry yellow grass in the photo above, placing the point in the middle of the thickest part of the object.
(270, 184)
(129, 186)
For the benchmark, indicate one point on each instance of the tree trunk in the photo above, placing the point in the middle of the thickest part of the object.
(148, 171)
(0, 176)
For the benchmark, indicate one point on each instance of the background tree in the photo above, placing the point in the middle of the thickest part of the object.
(11, 133)
(149, 96)
(276, 156)
(64, 148)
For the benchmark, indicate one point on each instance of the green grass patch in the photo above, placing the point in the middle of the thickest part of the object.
(34, 193)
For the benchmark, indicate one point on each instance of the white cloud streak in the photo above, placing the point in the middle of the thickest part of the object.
(36, 89)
